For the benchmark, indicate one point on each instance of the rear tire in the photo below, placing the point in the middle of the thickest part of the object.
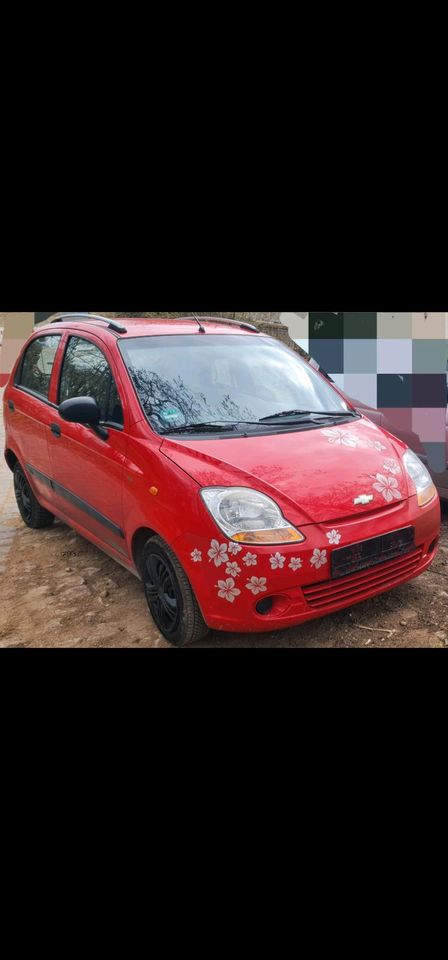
(171, 601)
(30, 509)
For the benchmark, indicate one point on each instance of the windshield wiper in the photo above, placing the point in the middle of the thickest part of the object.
(208, 427)
(308, 413)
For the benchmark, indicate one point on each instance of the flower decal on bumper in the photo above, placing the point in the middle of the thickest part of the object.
(319, 559)
(250, 559)
(334, 536)
(277, 561)
(227, 590)
(218, 553)
(234, 548)
(257, 585)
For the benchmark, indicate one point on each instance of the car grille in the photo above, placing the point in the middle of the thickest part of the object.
(357, 586)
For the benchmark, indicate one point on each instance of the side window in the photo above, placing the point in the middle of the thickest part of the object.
(86, 373)
(37, 365)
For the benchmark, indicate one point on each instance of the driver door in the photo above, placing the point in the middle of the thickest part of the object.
(87, 471)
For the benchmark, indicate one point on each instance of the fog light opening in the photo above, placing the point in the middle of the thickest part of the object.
(433, 545)
(264, 606)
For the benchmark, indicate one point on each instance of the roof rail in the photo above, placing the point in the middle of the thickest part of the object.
(233, 323)
(87, 318)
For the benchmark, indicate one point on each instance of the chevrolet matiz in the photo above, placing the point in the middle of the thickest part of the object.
(216, 465)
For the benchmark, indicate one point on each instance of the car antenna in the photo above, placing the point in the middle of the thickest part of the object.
(201, 328)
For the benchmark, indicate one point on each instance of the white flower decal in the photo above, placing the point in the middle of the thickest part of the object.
(334, 536)
(218, 553)
(257, 585)
(277, 561)
(234, 548)
(196, 556)
(295, 563)
(319, 558)
(388, 486)
(341, 437)
(392, 466)
(250, 559)
(227, 590)
(232, 569)
(376, 445)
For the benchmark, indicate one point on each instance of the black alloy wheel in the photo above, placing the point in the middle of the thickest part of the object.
(169, 595)
(30, 509)
(23, 494)
(162, 593)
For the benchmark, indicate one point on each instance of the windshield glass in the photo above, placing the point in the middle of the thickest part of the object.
(193, 379)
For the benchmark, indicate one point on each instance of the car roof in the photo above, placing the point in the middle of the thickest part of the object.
(153, 326)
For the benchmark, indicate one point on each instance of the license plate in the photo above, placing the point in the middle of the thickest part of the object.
(368, 553)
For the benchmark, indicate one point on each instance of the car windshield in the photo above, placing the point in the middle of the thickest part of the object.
(195, 379)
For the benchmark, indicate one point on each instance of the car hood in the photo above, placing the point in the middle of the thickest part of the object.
(314, 475)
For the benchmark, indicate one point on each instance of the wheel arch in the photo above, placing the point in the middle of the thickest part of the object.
(140, 537)
(11, 459)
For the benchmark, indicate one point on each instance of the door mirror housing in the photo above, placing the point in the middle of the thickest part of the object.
(83, 410)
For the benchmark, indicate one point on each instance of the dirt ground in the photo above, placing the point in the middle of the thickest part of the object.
(57, 590)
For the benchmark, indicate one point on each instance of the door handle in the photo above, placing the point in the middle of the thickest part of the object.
(55, 428)
(11, 405)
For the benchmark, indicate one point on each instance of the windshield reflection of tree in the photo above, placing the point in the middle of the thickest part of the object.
(156, 393)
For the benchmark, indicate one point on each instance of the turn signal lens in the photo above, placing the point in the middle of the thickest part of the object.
(425, 496)
(421, 478)
(284, 535)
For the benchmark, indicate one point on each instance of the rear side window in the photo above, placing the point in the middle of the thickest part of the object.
(37, 365)
(86, 373)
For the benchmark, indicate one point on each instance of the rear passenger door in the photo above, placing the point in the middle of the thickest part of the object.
(31, 411)
(87, 470)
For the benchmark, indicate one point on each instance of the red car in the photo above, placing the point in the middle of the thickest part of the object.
(216, 465)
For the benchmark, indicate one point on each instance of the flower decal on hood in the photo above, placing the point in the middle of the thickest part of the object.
(319, 558)
(392, 466)
(376, 445)
(387, 486)
(341, 438)
(334, 536)
(295, 563)
(196, 556)
(257, 585)
(227, 590)
(218, 553)
(232, 569)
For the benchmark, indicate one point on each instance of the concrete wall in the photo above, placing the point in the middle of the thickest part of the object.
(16, 329)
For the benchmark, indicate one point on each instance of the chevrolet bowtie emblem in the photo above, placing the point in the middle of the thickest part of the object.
(363, 499)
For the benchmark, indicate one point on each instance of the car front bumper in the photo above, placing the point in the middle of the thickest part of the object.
(230, 585)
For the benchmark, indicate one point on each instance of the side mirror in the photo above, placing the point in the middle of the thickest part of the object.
(80, 410)
(83, 410)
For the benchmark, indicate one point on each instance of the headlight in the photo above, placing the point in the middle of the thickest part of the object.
(248, 516)
(420, 477)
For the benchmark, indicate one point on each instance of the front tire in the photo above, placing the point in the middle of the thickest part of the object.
(171, 601)
(30, 509)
